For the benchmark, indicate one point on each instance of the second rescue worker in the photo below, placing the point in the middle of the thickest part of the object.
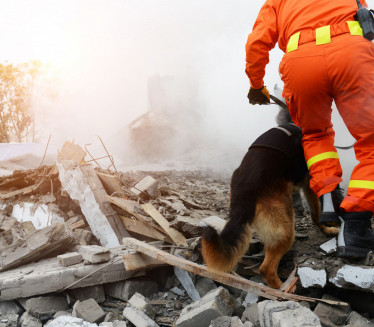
(326, 58)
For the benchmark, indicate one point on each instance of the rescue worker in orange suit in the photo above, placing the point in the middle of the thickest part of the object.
(326, 58)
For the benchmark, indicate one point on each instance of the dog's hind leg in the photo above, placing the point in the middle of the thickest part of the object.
(274, 223)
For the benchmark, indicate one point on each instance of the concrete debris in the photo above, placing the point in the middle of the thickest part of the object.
(147, 187)
(105, 284)
(94, 253)
(139, 302)
(69, 259)
(215, 304)
(138, 318)
(285, 314)
(89, 311)
(42, 307)
(51, 240)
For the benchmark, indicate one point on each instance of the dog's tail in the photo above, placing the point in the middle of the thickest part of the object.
(222, 252)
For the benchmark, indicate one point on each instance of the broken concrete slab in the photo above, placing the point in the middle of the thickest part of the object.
(94, 253)
(312, 277)
(213, 305)
(186, 281)
(9, 320)
(9, 307)
(147, 185)
(190, 227)
(329, 246)
(30, 280)
(214, 221)
(89, 311)
(124, 290)
(42, 307)
(353, 277)
(285, 314)
(69, 259)
(95, 292)
(355, 319)
(27, 320)
(331, 315)
(139, 302)
(70, 321)
(83, 185)
(48, 241)
(138, 318)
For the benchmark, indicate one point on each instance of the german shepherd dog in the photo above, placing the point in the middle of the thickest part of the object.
(261, 198)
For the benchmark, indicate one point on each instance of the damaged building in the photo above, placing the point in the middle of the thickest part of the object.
(84, 246)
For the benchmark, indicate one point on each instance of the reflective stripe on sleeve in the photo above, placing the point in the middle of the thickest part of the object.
(361, 184)
(322, 156)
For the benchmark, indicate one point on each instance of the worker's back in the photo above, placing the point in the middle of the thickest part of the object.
(298, 15)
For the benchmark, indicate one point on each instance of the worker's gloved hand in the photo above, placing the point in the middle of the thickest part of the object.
(259, 96)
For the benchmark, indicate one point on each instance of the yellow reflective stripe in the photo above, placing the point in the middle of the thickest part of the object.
(361, 184)
(322, 156)
(293, 43)
(323, 35)
(354, 28)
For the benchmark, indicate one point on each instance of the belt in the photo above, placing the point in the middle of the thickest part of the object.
(323, 35)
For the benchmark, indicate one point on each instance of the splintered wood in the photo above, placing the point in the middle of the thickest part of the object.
(224, 278)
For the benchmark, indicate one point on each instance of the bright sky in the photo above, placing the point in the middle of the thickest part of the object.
(106, 50)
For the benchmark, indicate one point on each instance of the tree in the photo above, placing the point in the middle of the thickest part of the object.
(17, 84)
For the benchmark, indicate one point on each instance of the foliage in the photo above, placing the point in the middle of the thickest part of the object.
(17, 85)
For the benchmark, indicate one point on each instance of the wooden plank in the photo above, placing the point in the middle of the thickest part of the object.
(128, 206)
(78, 224)
(111, 184)
(143, 229)
(138, 261)
(24, 190)
(219, 276)
(175, 235)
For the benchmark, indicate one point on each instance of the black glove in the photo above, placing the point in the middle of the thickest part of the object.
(259, 96)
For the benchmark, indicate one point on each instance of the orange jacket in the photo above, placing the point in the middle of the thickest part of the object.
(279, 19)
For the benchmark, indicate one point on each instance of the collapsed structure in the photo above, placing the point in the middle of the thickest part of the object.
(79, 244)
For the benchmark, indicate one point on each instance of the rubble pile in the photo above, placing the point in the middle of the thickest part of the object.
(89, 247)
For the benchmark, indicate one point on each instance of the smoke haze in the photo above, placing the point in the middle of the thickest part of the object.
(105, 52)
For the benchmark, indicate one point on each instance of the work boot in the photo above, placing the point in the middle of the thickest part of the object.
(330, 203)
(356, 238)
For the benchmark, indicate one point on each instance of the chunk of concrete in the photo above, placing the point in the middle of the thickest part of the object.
(126, 289)
(310, 277)
(94, 253)
(148, 185)
(95, 292)
(138, 318)
(205, 285)
(27, 320)
(64, 321)
(30, 279)
(186, 281)
(250, 314)
(226, 322)
(285, 314)
(329, 246)
(139, 302)
(355, 319)
(215, 304)
(69, 259)
(41, 307)
(51, 240)
(9, 307)
(9, 320)
(82, 236)
(353, 277)
(88, 310)
(332, 315)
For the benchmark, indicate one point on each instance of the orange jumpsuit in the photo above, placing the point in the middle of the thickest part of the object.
(341, 68)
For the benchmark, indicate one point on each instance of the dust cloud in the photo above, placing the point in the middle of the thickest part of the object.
(105, 53)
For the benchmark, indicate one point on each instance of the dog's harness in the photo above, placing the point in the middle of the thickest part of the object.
(282, 138)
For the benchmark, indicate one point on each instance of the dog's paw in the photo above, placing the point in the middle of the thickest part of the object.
(331, 231)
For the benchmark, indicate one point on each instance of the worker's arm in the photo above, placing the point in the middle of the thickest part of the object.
(263, 38)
